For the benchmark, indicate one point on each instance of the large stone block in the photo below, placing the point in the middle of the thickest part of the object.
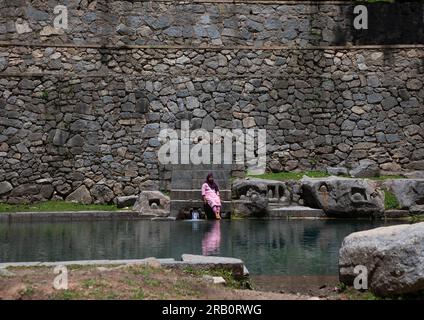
(152, 203)
(366, 168)
(408, 192)
(393, 257)
(81, 195)
(343, 197)
(102, 193)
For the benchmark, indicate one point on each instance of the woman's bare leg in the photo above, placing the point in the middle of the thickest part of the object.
(217, 213)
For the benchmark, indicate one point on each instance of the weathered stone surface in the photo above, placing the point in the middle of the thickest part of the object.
(392, 255)
(214, 280)
(337, 171)
(81, 195)
(240, 187)
(127, 201)
(416, 165)
(102, 194)
(152, 203)
(46, 191)
(238, 268)
(48, 31)
(254, 204)
(22, 27)
(396, 213)
(414, 175)
(25, 190)
(408, 192)
(249, 122)
(5, 187)
(366, 168)
(417, 209)
(60, 137)
(252, 196)
(208, 123)
(275, 166)
(391, 167)
(343, 197)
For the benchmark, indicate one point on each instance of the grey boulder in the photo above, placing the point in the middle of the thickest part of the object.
(80, 195)
(366, 168)
(102, 193)
(408, 192)
(253, 204)
(343, 197)
(337, 171)
(393, 257)
(5, 187)
(268, 188)
(126, 201)
(416, 210)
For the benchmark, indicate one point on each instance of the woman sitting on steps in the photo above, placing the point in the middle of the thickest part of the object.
(210, 194)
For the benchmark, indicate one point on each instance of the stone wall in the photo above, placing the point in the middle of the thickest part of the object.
(83, 107)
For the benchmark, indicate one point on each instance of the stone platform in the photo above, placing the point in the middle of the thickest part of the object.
(295, 212)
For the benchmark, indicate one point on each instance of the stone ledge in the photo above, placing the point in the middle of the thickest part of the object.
(208, 47)
(69, 216)
(188, 260)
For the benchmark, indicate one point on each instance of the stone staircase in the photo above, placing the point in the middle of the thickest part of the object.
(186, 184)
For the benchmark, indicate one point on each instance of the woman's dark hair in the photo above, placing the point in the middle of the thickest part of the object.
(211, 185)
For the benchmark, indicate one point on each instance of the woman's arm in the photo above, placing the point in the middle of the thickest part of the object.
(204, 193)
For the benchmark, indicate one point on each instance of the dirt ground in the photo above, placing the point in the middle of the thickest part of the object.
(324, 287)
(127, 282)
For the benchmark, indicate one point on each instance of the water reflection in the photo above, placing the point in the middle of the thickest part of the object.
(211, 242)
(279, 247)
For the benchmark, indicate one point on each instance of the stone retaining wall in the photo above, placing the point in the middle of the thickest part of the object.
(84, 106)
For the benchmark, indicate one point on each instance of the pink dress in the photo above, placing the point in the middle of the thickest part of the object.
(211, 196)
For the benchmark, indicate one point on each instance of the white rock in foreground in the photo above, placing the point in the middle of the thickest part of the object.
(393, 256)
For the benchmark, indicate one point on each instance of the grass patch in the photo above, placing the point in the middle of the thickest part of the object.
(185, 289)
(312, 174)
(230, 281)
(141, 270)
(354, 294)
(381, 178)
(67, 295)
(138, 294)
(390, 200)
(90, 283)
(291, 175)
(52, 205)
(27, 292)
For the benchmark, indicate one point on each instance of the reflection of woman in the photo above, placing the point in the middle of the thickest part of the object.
(212, 240)
(210, 193)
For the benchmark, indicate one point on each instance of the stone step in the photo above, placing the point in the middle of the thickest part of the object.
(295, 212)
(188, 183)
(210, 167)
(217, 174)
(222, 184)
(177, 205)
(196, 194)
(202, 174)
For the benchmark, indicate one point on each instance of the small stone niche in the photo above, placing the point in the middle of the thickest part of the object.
(154, 203)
